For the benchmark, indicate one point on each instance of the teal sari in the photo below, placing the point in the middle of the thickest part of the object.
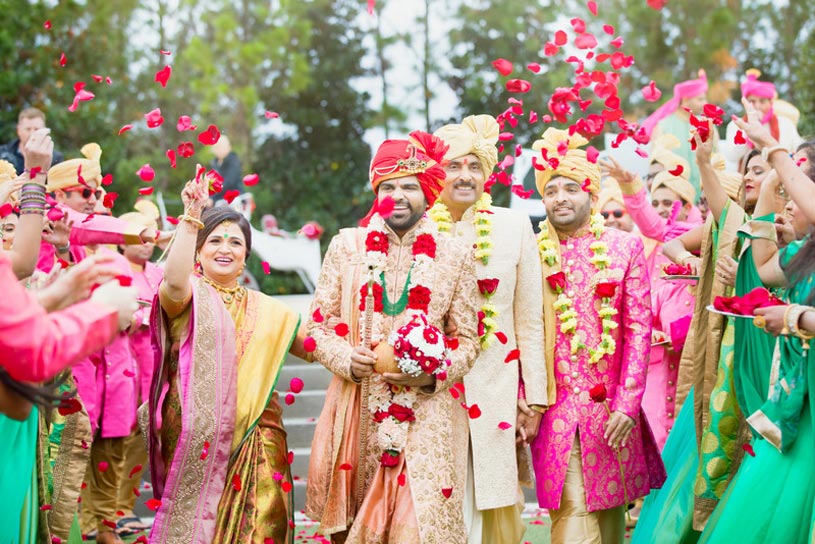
(18, 480)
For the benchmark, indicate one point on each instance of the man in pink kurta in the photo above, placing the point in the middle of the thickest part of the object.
(668, 213)
(595, 451)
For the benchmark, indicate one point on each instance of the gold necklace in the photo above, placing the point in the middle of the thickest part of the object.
(228, 294)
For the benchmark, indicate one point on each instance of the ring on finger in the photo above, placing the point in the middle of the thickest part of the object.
(760, 321)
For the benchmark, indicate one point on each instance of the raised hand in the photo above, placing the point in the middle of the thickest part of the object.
(195, 196)
(752, 128)
(38, 151)
(57, 233)
(610, 167)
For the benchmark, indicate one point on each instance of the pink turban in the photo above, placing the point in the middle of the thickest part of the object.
(685, 89)
(753, 87)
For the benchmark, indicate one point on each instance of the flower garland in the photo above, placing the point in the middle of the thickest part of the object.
(564, 305)
(440, 214)
(392, 406)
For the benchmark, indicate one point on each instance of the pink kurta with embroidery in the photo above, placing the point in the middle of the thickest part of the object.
(672, 305)
(623, 375)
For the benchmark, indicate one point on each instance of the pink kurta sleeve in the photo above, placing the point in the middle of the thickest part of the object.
(650, 223)
(636, 334)
(35, 345)
(333, 351)
(102, 229)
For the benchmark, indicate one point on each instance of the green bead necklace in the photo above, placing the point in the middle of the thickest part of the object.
(394, 308)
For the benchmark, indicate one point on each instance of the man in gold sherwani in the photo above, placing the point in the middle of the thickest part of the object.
(510, 373)
(364, 484)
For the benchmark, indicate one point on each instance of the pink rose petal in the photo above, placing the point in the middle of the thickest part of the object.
(163, 75)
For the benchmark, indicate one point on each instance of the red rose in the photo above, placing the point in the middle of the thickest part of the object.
(451, 342)
(487, 286)
(389, 459)
(559, 103)
(419, 298)
(482, 329)
(605, 289)
(431, 334)
(429, 364)
(598, 393)
(376, 241)
(401, 413)
(380, 416)
(557, 281)
(425, 244)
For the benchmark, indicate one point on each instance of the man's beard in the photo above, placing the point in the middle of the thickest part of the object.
(403, 224)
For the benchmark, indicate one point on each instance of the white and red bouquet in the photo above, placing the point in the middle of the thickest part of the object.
(420, 347)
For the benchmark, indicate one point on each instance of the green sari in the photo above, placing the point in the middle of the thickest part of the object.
(18, 517)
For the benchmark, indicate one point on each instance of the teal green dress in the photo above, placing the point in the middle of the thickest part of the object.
(18, 480)
(771, 497)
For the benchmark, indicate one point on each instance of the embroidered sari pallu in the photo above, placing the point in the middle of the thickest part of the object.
(217, 447)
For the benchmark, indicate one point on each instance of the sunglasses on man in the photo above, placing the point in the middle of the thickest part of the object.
(616, 213)
(86, 192)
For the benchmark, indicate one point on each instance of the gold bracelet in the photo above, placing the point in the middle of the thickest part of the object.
(190, 219)
(805, 336)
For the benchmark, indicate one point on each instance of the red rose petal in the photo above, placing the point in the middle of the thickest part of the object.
(286, 487)
(231, 195)
(205, 450)
(107, 179)
(210, 136)
(749, 449)
(172, 220)
(341, 329)
(503, 66)
(504, 425)
(296, 385)
(109, 199)
(289, 399)
(533, 67)
(474, 412)
(236, 482)
(146, 173)
(676, 172)
(272, 114)
(103, 466)
(267, 269)
(317, 316)
(739, 138)
(591, 154)
(6, 209)
(154, 118)
(144, 191)
(171, 157)
(290, 457)
(585, 41)
(152, 504)
(578, 24)
(447, 492)
(550, 49)
(251, 179)
(185, 123)
(346, 466)
(45, 507)
(186, 149)
(163, 75)
(63, 60)
(385, 206)
(617, 42)
(518, 86)
(124, 129)
(309, 344)
(592, 7)
(47, 25)
(501, 337)
(401, 479)
(608, 29)
(134, 471)
(108, 523)
(650, 92)
(513, 355)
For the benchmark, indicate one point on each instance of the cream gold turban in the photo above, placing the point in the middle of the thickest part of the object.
(680, 186)
(662, 154)
(477, 134)
(64, 174)
(7, 171)
(731, 181)
(146, 215)
(573, 165)
(610, 193)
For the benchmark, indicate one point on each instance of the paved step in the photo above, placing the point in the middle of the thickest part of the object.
(306, 404)
(300, 431)
(315, 376)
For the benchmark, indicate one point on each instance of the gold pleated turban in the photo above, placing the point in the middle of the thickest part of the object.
(610, 193)
(731, 181)
(678, 185)
(146, 215)
(7, 171)
(477, 134)
(66, 174)
(573, 164)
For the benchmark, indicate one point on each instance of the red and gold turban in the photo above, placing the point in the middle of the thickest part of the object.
(422, 155)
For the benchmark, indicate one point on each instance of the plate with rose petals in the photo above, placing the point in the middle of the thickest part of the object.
(712, 308)
(659, 338)
(144, 303)
(679, 277)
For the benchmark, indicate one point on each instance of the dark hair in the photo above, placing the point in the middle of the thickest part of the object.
(215, 216)
(808, 149)
(802, 265)
(42, 395)
(750, 155)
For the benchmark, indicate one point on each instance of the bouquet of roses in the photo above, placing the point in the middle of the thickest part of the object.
(748, 303)
(420, 347)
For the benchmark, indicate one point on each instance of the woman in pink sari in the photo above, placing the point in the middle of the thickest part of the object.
(217, 446)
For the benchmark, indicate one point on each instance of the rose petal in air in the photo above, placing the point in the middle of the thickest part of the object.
(63, 60)
(317, 316)
(289, 399)
(185, 123)
(186, 149)
(447, 492)
(617, 42)
(267, 269)
(676, 172)
(154, 118)
(271, 114)
(144, 191)
(341, 329)
(6, 209)
(47, 25)
(518, 86)
(592, 154)
(171, 157)
(474, 412)
(401, 479)
(585, 41)
(550, 49)
(309, 344)
(739, 138)
(296, 385)
(608, 29)
(504, 425)
(561, 38)
(286, 486)
(236, 482)
(385, 206)
(592, 7)
(231, 195)
(103, 466)
(210, 136)
(163, 75)
(513, 355)
(165, 52)
(146, 173)
(346, 466)
(518, 190)
(578, 24)
(533, 67)
(650, 92)
(503, 66)
(124, 129)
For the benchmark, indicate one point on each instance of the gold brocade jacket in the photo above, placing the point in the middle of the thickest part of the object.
(434, 440)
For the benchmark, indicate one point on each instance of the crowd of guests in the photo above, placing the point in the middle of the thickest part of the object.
(648, 339)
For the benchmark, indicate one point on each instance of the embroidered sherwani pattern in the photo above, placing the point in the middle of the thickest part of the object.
(433, 440)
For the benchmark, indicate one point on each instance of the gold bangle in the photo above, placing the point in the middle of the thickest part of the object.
(798, 331)
(190, 219)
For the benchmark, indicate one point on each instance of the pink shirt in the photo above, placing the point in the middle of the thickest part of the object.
(147, 282)
(36, 345)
